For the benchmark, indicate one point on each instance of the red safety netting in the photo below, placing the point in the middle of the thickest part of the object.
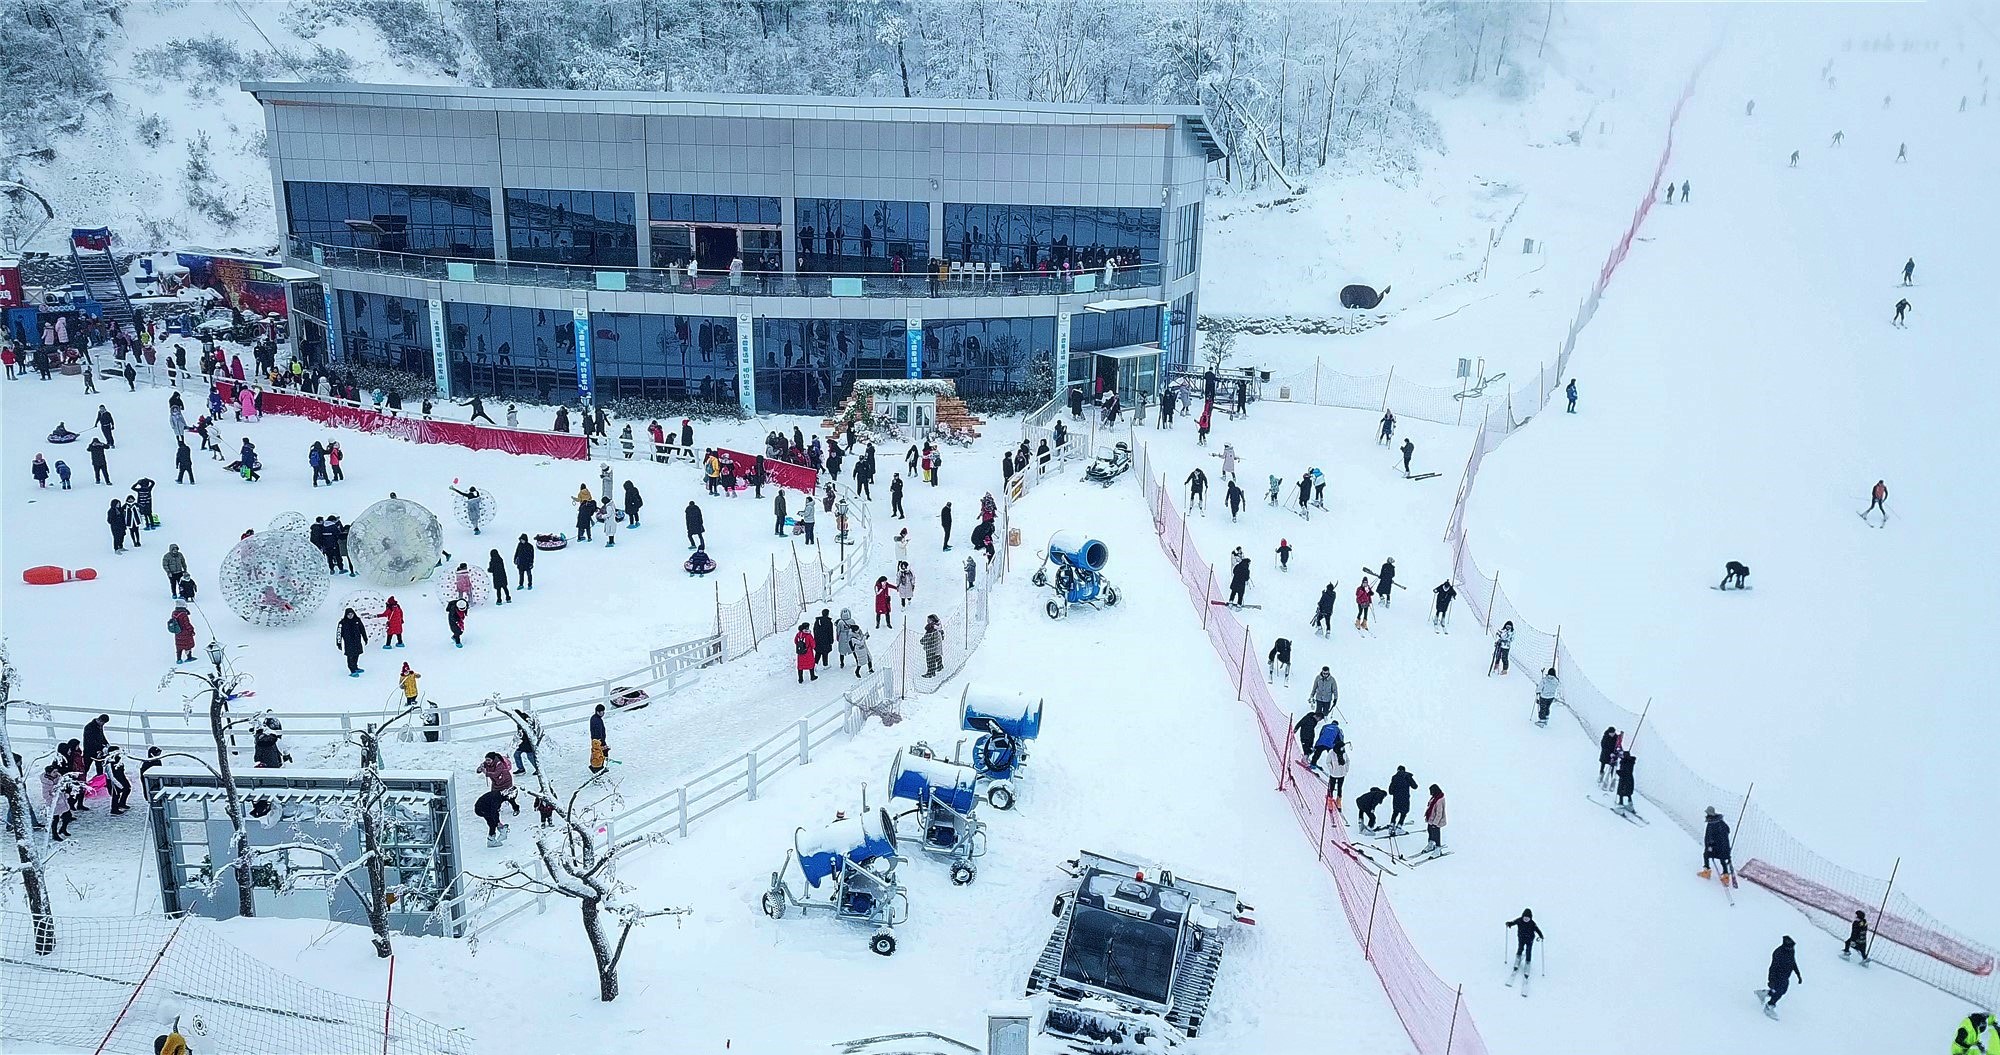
(427, 430)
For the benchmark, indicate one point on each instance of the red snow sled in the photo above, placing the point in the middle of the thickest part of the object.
(629, 699)
(547, 541)
(50, 575)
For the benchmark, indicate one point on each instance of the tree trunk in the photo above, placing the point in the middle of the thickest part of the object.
(239, 842)
(903, 65)
(16, 797)
(371, 842)
(600, 949)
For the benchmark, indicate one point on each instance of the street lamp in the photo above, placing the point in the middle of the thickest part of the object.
(215, 653)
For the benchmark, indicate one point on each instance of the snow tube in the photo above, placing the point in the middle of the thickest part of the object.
(915, 778)
(858, 839)
(1018, 714)
(699, 564)
(62, 436)
(1358, 296)
(627, 698)
(547, 541)
(1078, 550)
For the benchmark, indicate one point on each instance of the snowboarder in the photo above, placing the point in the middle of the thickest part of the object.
(802, 651)
(1569, 391)
(1279, 656)
(1239, 579)
(1714, 844)
(454, 619)
(1385, 580)
(1363, 598)
(1408, 449)
(1323, 612)
(1526, 932)
(1325, 692)
(1434, 820)
(1547, 692)
(1902, 309)
(1784, 968)
(524, 563)
(182, 626)
(1857, 938)
(1736, 571)
(1878, 498)
(1503, 646)
(1909, 270)
(1197, 485)
(1444, 592)
(1284, 555)
(352, 637)
(1401, 785)
(496, 568)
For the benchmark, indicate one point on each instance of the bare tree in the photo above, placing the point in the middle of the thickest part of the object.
(368, 809)
(31, 858)
(575, 862)
(221, 684)
(10, 679)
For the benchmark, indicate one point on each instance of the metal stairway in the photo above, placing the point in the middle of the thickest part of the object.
(103, 281)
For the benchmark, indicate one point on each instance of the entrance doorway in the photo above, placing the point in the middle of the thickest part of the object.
(715, 247)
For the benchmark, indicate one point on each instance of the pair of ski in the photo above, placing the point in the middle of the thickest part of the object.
(1523, 971)
(1871, 523)
(1727, 880)
(1238, 605)
(1626, 812)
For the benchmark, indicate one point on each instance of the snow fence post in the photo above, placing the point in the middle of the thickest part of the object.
(749, 610)
(1452, 1030)
(798, 575)
(1736, 834)
(681, 808)
(1208, 598)
(1315, 380)
(146, 728)
(1368, 937)
(772, 592)
(1242, 664)
(1489, 600)
(805, 742)
(1385, 388)
(750, 770)
(718, 609)
(1183, 546)
(1884, 909)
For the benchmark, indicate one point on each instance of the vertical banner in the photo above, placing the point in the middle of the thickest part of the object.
(335, 351)
(913, 348)
(746, 367)
(1062, 353)
(583, 367)
(440, 361)
(1166, 342)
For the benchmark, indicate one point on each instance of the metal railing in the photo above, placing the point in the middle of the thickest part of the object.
(952, 279)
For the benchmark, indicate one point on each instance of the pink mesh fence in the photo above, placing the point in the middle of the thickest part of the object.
(1432, 1011)
(1905, 937)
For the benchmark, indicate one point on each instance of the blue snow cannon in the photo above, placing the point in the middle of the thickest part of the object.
(944, 797)
(1073, 570)
(858, 854)
(1006, 721)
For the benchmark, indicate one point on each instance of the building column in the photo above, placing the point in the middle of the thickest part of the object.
(498, 196)
(746, 364)
(440, 355)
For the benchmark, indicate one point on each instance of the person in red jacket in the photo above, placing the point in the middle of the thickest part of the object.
(1363, 598)
(1434, 819)
(182, 624)
(802, 644)
(392, 612)
(882, 592)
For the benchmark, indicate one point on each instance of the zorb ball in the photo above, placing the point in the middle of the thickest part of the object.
(395, 543)
(291, 524)
(476, 508)
(274, 579)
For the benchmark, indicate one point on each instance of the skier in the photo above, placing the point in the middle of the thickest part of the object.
(1715, 847)
(1233, 498)
(1385, 435)
(1444, 592)
(1503, 645)
(524, 563)
(822, 631)
(1784, 967)
(1197, 485)
(1279, 656)
(1626, 784)
(1408, 449)
(882, 590)
(392, 630)
(1569, 390)
(802, 651)
(1857, 938)
(1328, 738)
(454, 619)
(1902, 309)
(1434, 821)
(182, 625)
(1609, 747)
(1365, 807)
(1239, 580)
(1401, 784)
(1325, 692)
(1385, 580)
(634, 502)
(175, 565)
(352, 637)
(1526, 931)
(1229, 461)
(1902, 153)
(1547, 692)
(496, 568)
(1363, 598)
(1737, 571)
(1837, 137)
(1795, 159)
(1323, 612)
(1909, 270)
(1305, 493)
(1284, 555)
(1878, 498)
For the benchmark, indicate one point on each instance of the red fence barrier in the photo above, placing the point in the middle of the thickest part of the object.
(427, 430)
(777, 474)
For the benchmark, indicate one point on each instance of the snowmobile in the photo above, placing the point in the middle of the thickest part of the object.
(1110, 464)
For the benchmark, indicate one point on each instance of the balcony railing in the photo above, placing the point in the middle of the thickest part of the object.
(953, 280)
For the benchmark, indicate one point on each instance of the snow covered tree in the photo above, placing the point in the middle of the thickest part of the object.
(222, 685)
(368, 815)
(19, 820)
(574, 860)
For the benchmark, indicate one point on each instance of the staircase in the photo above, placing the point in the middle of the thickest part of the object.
(952, 411)
(103, 281)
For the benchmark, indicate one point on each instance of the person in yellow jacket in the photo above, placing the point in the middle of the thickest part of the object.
(408, 681)
(1977, 1035)
(171, 1043)
(711, 471)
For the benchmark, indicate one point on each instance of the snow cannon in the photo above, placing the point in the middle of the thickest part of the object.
(858, 855)
(1005, 722)
(944, 797)
(1072, 569)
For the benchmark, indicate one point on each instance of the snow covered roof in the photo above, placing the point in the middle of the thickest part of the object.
(661, 104)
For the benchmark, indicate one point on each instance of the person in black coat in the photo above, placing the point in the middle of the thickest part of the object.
(1626, 784)
(1784, 968)
(823, 636)
(105, 425)
(268, 754)
(562, 419)
(524, 563)
(1367, 804)
(496, 566)
(778, 510)
(633, 503)
(116, 519)
(353, 637)
(95, 740)
(1400, 787)
(1239, 580)
(757, 477)
(100, 470)
(586, 514)
(1308, 730)
(597, 732)
(1526, 931)
(697, 537)
(183, 461)
(944, 519)
(1385, 582)
(1323, 611)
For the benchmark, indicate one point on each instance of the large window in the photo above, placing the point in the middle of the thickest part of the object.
(838, 234)
(806, 365)
(1095, 331)
(595, 228)
(1187, 240)
(1030, 237)
(380, 330)
(432, 221)
(664, 356)
(987, 356)
(1180, 336)
(715, 229)
(516, 353)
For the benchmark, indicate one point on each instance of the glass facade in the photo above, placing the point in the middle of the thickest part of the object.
(1180, 339)
(514, 353)
(1027, 237)
(987, 356)
(715, 229)
(715, 208)
(1094, 331)
(380, 330)
(595, 228)
(883, 237)
(664, 356)
(806, 365)
(1187, 240)
(435, 221)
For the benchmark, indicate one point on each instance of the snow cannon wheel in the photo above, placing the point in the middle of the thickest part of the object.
(1000, 797)
(774, 904)
(882, 944)
(1040, 578)
(1111, 596)
(1055, 610)
(961, 874)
